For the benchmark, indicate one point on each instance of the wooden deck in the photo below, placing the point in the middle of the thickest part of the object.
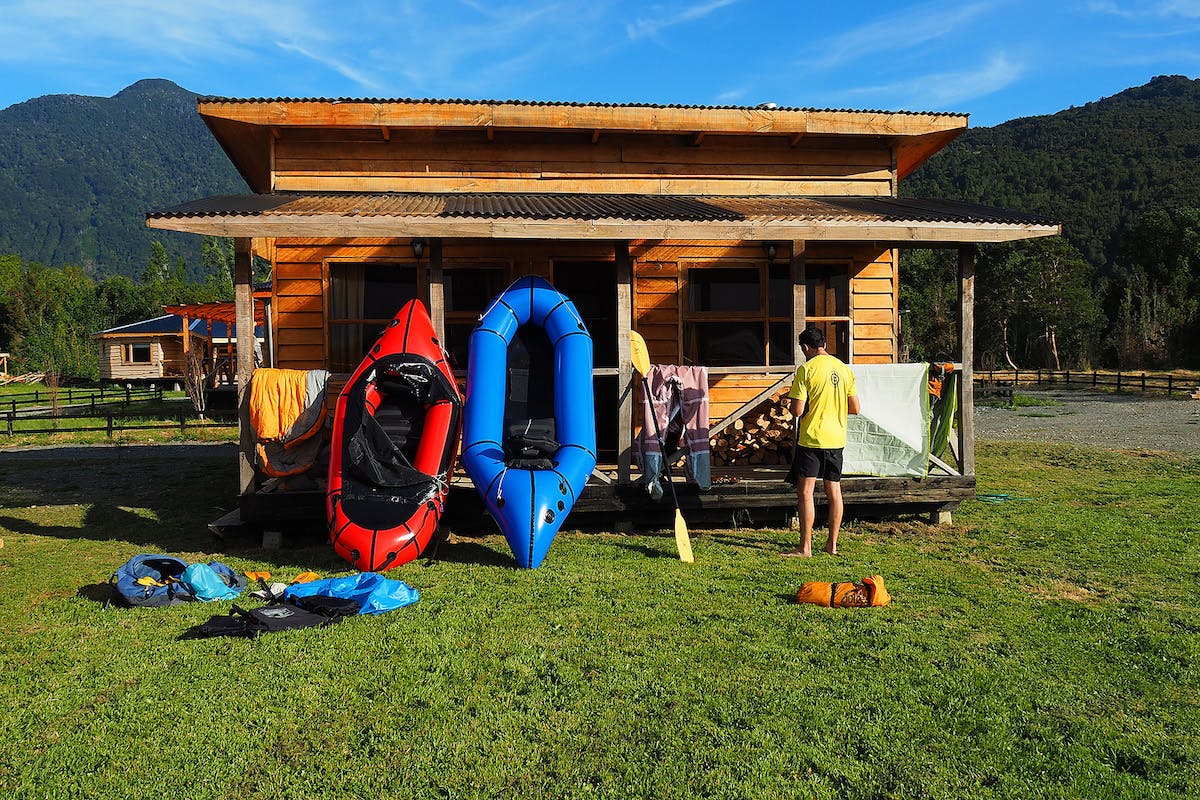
(757, 493)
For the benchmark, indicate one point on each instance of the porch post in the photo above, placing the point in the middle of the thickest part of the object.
(624, 362)
(799, 299)
(243, 301)
(966, 348)
(268, 332)
(437, 291)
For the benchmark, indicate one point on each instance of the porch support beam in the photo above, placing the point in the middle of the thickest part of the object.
(966, 349)
(799, 300)
(437, 291)
(243, 301)
(624, 361)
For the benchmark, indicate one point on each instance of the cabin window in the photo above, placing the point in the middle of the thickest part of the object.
(466, 291)
(738, 315)
(363, 298)
(138, 353)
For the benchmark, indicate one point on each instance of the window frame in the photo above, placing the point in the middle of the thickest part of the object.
(127, 351)
(762, 315)
(503, 265)
(328, 267)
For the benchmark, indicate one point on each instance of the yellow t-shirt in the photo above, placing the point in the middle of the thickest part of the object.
(823, 384)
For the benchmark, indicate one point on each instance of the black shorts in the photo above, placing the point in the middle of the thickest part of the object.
(813, 462)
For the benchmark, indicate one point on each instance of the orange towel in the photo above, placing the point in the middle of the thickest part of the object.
(869, 592)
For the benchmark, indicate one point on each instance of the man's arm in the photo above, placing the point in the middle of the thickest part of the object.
(797, 407)
(852, 404)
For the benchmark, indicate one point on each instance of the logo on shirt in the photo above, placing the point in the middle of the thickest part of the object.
(833, 378)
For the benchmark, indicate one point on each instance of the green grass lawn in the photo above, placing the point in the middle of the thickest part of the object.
(1041, 648)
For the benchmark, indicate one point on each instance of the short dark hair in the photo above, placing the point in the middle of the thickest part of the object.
(812, 338)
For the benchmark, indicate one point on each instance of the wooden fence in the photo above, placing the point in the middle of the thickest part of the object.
(1168, 383)
(42, 401)
(109, 422)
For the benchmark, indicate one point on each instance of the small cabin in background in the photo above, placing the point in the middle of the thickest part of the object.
(155, 350)
(717, 233)
(145, 351)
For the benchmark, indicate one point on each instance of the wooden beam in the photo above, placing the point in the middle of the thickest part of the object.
(750, 405)
(491, 134)
(595, 136)
(468, 114)
(437, 290)
(624, 361)
(337, 226)
(799, 299)
(243, 300)
(276, 133)
(386, 132)
(966, 349)
(795, 138)
(697, 138)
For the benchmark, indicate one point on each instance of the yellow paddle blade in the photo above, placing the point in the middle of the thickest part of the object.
(638, 353)
(683, 542)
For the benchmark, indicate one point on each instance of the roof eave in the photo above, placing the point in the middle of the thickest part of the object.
(340, 226)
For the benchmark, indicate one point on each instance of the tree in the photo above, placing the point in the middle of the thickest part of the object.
(1037, 301)
(1157, 286)
(929, 303)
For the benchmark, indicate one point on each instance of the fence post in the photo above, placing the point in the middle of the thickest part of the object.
(1068, 376)
(1093, 377)
(127, 394)
(182, 420)
(1143, 381)
(1118, 380)
(10, 423)
(109, 418)
(1169, 376)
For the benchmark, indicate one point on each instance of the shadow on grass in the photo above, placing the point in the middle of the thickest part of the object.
(159, 497)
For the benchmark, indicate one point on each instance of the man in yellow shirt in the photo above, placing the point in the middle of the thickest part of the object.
(823, 394)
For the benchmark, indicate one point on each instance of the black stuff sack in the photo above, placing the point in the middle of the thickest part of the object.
(304, 612)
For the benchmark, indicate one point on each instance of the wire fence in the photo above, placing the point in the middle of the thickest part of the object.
(1168, 383)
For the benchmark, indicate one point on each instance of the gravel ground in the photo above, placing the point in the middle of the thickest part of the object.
(1118, 422)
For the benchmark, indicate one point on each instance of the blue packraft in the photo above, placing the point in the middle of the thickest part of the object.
(374, 593)
(165, 581)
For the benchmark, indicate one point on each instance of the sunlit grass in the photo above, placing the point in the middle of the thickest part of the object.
(1047, 647)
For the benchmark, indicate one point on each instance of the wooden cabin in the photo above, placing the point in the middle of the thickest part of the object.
(718, 233)
(147, 351)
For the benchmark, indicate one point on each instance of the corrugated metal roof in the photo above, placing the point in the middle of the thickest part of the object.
(568, 104)
(598, 207)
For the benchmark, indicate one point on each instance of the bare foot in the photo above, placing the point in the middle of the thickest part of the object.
(799, 552)
(832, 552)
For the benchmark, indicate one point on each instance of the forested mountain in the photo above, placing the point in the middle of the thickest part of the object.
(1095, 168)
(78, 174)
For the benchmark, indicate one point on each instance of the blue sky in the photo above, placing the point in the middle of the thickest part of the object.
(995, 59)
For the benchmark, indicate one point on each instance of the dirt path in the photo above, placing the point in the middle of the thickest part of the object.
(1118, 422)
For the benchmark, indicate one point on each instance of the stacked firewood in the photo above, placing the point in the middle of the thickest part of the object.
(765, 436)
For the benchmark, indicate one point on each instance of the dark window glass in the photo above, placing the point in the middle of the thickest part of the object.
(780, 290)
(780, 344)
(388, 287)
(139, 353)
(724, 289)
(472, 288)
(457, 336)
(725, 344)
(363, 298)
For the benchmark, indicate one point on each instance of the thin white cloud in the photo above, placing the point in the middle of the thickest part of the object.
(945, 90)
(183, 32)
(335, 64)
(1165, 9)
(907, 30)
(644, 27)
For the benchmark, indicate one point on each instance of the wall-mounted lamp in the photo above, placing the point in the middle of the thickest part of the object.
(769, 247)
(418, 246)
